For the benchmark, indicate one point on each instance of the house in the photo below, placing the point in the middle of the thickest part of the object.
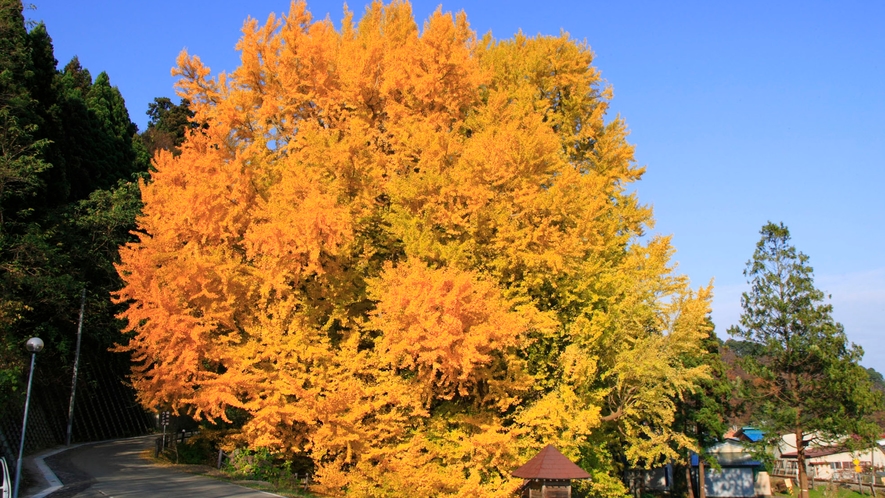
(828, 460)
(740, 475)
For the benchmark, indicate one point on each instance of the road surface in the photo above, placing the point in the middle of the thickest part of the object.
(116, 469)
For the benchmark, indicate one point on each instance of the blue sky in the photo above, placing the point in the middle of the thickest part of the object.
(743, 112)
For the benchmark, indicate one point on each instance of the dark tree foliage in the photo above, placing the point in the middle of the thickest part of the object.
(16, 65)
(43, 65)
(744, 349)
(20, 145)
(69, 155)
(878, 382)
(96, 143)
(706, 410)
(168, 125)
(703, 414)
(877, 379)
(806, 376)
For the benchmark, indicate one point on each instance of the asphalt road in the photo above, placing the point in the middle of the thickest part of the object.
(116, 469)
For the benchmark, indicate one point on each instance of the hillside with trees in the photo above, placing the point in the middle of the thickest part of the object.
(69, 161)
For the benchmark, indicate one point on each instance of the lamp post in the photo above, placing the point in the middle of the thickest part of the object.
(34, 345)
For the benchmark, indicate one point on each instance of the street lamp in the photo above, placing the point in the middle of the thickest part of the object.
(34, 345)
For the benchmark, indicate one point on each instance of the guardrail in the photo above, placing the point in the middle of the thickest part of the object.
(171, 439)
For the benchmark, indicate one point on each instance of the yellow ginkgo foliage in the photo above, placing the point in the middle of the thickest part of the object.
(410, 254)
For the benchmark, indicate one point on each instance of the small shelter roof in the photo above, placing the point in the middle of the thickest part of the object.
(550, 464)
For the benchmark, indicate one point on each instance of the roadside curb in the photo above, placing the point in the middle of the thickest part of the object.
(54, 483)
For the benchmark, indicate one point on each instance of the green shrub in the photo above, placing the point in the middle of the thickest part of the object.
(201, 448)
(196, 450)
(257, 465)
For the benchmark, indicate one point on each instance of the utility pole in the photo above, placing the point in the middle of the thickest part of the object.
(76, 368)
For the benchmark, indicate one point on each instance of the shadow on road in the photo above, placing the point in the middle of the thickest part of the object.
(117, 469)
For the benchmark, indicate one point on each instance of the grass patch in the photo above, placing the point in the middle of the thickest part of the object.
(828, 491)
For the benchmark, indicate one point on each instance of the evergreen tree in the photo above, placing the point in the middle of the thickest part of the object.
(21, 163)
(168, 125)
(96, 145)
(809, 382)
(877, 379)
(16, 66)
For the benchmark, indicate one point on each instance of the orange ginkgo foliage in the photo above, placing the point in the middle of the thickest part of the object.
(409, 254)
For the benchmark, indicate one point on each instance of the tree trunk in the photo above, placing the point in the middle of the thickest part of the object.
(688, 480)
(800, 463)
(702, 488)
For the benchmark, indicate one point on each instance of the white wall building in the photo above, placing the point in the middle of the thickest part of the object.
(828, 460)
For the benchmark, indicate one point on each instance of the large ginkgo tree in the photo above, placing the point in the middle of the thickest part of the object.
(411, 255)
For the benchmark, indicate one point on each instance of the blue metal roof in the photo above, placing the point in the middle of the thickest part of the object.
(753, 434)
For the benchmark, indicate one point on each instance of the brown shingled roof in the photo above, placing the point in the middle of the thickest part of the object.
(550, 464)
(816, 452)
